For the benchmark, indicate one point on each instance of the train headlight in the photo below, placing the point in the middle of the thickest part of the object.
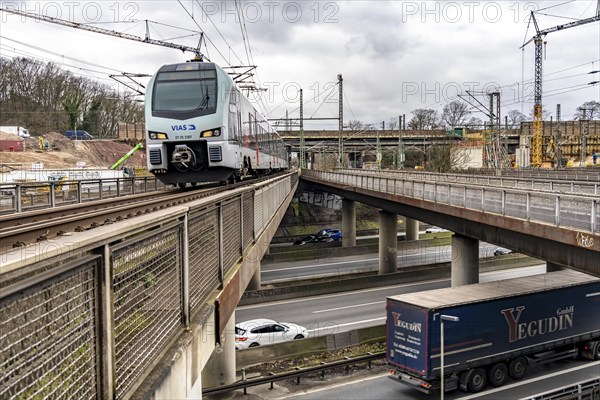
(157, 136)
(211, 133)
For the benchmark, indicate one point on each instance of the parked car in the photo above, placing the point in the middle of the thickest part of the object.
(436, 229)
(260, 332)
(78, 135)
(335, 234)
(499, 251)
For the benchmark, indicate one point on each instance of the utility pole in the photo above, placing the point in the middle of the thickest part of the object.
(378, 147)
(400, 156)
(558, 163)
(583, 135)
(341, 121)
(302, 147)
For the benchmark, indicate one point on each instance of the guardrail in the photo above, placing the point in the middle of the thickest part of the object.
(272, 378)
(23, 196)
(577, 174)
(585, 390)
(563, 211)
(88, 317)
(548, 185)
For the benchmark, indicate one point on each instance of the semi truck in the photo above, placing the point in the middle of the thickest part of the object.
(16, 130)
(474, 335)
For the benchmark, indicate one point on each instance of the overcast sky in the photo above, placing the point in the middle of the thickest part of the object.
(395, 56)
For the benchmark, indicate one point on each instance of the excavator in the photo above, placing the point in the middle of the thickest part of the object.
(128, 171)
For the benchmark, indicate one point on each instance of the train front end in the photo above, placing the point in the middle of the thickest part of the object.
(185, 128)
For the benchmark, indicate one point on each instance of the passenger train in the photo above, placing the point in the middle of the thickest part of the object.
(201, 128)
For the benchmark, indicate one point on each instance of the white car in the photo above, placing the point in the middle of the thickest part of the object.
(435, 229)
(260, 332)
(501, 251)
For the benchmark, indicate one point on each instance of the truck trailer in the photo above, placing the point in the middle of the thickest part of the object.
(16, 130)
(491, 331)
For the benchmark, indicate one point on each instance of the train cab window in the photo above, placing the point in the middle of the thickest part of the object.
(185, 93)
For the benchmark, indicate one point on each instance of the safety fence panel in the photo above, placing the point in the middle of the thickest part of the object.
(569, 211)
(231, 234)
(147, 301)
(48, 335)
(203, 231)
(248, 219)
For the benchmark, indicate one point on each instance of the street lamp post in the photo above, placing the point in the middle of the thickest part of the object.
(442, 319)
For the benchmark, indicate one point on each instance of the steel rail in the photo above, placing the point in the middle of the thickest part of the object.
(20, 229)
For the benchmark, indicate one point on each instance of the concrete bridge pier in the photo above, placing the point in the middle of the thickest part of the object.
(465, 261)
(220, 368)
(388, 242)
(255, 281)
(412, 229)
(348, 223)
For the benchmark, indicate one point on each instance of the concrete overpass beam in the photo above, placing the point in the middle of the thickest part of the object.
(348, 223)
(220, 368)
(412, 229)
(388, 242)
(465, 260)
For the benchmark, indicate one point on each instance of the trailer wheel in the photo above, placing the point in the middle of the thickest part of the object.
(477, 380)
(498, 374)
(517, 368)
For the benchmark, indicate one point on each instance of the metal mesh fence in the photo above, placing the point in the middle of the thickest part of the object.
(542, 208)
(493, 201)
(204, 256)
(48, 338)
(147, 302)
(576, 214)
(231, 234)
(248, 206)
(516, 205)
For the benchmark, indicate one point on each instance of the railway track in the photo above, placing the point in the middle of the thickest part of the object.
(21, 229)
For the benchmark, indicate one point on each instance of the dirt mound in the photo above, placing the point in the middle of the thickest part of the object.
(66, 153)
(9, 136)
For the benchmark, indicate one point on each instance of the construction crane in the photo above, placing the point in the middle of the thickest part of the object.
(536, 140)
(198, 56)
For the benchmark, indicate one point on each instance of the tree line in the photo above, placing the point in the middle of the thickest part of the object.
(457, 114)
(45, 98)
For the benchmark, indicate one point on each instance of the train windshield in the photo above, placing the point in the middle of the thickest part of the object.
(186, 91)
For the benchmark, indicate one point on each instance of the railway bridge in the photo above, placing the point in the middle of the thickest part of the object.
(145, 308)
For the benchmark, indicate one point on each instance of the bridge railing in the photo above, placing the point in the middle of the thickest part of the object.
(24, 196)
(539, 184)
(565, 211)
(87, 319)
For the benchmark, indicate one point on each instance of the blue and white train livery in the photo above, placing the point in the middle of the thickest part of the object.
(201, 128)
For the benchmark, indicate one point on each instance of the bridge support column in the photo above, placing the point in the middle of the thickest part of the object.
(388, 242)
(348, 223)
(255, 281)
(220, 368)
(551, 267)
(465, 261)
(412, 229)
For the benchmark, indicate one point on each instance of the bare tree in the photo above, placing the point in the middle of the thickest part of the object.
(445, 157)
(515, 117)
(475, 123)
(455, 114)
(424, 119)
(589, 110)
(355, 125)
(392, 124)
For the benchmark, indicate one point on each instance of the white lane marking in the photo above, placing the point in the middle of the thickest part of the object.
(343, 384)
(528, 381)
(353, 293)
(317, 265)
(329, 296)
(346, 307)
(346, 324)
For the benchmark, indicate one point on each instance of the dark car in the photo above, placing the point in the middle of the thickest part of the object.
(334, 234)
(305, 240)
